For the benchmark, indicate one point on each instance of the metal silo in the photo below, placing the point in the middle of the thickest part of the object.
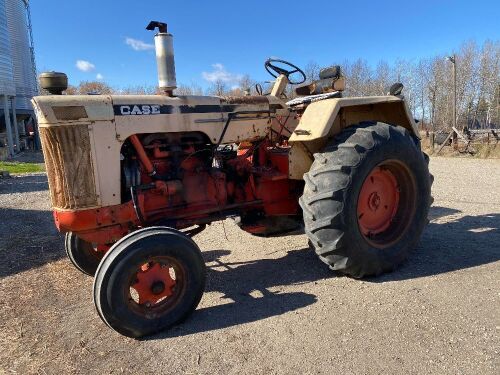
(6, 69)
(17, 73)
(21, 50)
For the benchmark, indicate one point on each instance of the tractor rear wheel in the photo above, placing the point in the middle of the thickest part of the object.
(82, 254)
(366, 199)
(148, 281)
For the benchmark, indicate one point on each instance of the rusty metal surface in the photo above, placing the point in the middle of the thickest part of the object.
(244, 100)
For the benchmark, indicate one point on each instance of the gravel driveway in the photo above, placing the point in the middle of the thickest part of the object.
(270, 306)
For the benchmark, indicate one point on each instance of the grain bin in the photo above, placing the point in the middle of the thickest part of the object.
(17, 72)
(19, 28)
(6, 69)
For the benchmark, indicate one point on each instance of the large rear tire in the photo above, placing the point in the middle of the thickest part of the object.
(366, 199)
(148, 281)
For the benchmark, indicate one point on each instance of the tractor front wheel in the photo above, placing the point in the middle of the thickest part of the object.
(82, 254)
(366, 199)
(148, 281)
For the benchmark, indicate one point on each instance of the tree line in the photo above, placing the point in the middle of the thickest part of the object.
(429, 85)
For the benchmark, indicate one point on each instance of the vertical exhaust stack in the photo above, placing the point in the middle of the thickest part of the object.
(164, 47)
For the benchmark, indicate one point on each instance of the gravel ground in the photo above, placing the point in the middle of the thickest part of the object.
(270, 306)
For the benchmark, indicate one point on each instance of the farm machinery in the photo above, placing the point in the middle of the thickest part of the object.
(133, 178)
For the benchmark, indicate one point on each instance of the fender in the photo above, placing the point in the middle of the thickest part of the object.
(324, 119)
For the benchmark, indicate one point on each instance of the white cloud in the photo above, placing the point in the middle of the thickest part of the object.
(99, 76)
(219, 73)
(138, 45)
(85, 66)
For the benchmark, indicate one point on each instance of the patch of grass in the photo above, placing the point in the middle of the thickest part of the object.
(17, 167)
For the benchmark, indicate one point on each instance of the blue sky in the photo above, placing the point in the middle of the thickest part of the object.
(228, 38)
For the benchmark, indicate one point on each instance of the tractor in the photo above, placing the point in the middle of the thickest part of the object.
(133, 177)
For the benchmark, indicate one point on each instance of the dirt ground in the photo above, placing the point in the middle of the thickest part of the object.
(270, 306)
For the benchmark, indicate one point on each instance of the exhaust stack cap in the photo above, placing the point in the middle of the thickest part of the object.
(54, 82)
(164, 47)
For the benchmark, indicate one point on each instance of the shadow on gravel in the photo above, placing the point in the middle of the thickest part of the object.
(29, 156)
(28, 239)
(462, 243)
(466, 242)
(437, 212)
(246, 290)
(24, 184)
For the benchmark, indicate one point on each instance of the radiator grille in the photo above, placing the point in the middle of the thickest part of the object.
(69, 166)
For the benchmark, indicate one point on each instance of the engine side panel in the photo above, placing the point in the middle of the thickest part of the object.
(208, 115)
(110, 120)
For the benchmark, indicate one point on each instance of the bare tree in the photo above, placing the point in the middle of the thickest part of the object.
(359, 77)
(382, 79)
(246, 83)
(71, 90)
(196, 89)
(94, 87)
(183, 90)
(139, 90)
(218, 88)
(312, 70)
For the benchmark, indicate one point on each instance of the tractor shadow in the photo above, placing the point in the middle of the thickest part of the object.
(457, 244)
(28, 239)
(24, 184)
(245, 288)
(460, 243)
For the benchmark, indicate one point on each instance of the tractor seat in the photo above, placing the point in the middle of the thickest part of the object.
(330, 85)
(330, 79)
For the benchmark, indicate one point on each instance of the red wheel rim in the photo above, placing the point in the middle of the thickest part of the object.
(378, 202)
(153, 283)
(155, 286)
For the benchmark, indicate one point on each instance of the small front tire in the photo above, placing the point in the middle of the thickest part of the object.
(82, 254)
(148, 281)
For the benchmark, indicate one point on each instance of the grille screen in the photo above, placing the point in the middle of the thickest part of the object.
(69, 166)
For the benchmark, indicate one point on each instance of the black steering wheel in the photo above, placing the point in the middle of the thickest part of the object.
(275, 70)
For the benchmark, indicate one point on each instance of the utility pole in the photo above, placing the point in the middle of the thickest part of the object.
(498, 106)
(433, 125)
(453, 60)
